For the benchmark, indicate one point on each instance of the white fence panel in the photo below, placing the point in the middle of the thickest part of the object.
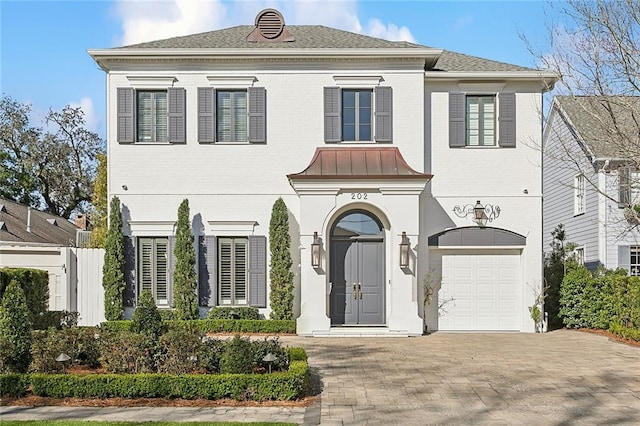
(89, 285)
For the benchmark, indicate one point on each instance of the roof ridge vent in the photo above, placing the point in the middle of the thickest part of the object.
(270, 27)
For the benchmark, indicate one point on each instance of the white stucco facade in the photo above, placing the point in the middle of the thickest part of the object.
(231, 187)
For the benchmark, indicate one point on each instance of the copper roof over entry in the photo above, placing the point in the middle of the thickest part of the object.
(358, 163)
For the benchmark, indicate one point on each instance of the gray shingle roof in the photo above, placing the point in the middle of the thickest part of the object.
(320, 37)
(306, 37)
(609, 125)
(14, 216)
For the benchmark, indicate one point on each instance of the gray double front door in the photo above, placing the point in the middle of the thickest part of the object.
(357, 271)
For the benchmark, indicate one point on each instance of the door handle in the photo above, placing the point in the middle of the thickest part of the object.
(355, 291)
(360, 290)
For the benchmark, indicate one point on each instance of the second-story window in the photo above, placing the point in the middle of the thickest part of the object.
(579, 206)
(481, 120)
(151, 116)
(356, 115)
(231, 116)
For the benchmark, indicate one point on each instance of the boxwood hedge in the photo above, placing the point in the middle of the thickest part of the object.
(218, 326)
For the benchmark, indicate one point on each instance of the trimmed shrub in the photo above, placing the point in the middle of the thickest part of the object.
(625, 332)
(178, 352)
(571, 290)
(185, 280)
(15, 331)
(114, 263)
(297, 354)
(80, 343)
(146, 318)
(14, 385)
(261, 348)
(237, 357)
(237, 312)
(55, 319)
(280, 275)
(210, 353)
(127, 352)
(217, 326)
(167, 314)
(119, 325)
(34, 284)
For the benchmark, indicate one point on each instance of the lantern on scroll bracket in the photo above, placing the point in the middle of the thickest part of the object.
(404, 251)
(315, 251)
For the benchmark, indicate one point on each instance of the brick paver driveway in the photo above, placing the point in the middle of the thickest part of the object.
(560, 378)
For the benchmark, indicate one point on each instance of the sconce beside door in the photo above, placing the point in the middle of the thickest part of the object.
(404, 251)
(315, 251)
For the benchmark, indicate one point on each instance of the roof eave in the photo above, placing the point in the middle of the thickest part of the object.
(549, 78)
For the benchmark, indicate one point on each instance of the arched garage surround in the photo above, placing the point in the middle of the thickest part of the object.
(479, 274)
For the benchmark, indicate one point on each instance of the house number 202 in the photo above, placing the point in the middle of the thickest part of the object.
(359, 195)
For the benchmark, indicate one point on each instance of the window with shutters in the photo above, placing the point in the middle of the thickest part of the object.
(233, 271)
(579, 195)
(153, 268)
(356, 115)
(151, 116)
(231, 116)
(628, 187)
(634, 261)
(578, 254)
(481, 120)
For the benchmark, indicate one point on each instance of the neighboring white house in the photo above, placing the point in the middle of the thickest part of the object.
(590, 179)
(377, 148)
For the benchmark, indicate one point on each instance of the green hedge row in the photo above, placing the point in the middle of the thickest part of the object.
(625, 332)
(280, 386)
(218, 326)
(34, 283)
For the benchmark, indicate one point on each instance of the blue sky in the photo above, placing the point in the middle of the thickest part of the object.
(43, 44)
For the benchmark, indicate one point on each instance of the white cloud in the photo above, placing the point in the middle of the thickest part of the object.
(90, 117)
(462, 23)
(154, 20)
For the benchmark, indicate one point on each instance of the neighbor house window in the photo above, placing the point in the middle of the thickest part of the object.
(481, 120)
(356, 115)
(578, 254)
(579, 195)
(232, 271)
(153, 268)
(634, 263)
(231, 116)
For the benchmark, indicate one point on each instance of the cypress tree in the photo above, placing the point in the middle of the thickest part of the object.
(114, 264)
(280, 275)
(184, 274)
(15, 330)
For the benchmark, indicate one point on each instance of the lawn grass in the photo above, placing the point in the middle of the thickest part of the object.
(90, 423)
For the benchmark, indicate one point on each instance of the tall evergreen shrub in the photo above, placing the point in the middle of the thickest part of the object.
(146, 318)
(280, 275)
(114, 263)
(184, 274)
(15, 331)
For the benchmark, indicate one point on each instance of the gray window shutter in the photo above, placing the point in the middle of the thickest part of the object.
(624, 257)
(207, 263)
(206, 114)
(176, 120)
(258, 271)
(624, 187)
(125, 114)
(129, 296)
(457, 120)
(332, 114)
(384, 118)
(171, 260)
(257, 114)
(507, 107)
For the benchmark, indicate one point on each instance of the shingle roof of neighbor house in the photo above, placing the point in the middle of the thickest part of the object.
(609, 125)
(319, 37)
(45, 228)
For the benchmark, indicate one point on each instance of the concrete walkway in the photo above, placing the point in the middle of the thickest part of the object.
(558, 378)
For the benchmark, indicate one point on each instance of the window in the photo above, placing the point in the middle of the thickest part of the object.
(482, 120)
(579, 205)
(356, 115)
(153, 268)
(634, 261)
(481, 117)
(352, 115)
(151, 116)
(578, 254)
(233, 271)
(231, 116)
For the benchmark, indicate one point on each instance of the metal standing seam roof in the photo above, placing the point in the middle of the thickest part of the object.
(608, 125)
(320, 37)
(358, 163)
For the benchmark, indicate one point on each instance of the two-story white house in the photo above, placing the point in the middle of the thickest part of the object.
(380, 150)
(590, 178)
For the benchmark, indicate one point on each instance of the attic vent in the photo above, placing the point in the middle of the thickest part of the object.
(2, 208)
(53, 222)
(269, 28)
(3, 227)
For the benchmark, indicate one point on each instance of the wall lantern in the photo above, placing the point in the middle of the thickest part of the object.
(315, 251)
(404, 251)
(480, 214)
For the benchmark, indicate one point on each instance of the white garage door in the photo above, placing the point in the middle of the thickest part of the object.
(480, 292)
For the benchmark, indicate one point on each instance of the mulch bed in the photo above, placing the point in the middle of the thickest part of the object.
(612, 336)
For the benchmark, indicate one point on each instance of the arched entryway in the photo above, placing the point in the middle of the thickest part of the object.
(357, 270)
